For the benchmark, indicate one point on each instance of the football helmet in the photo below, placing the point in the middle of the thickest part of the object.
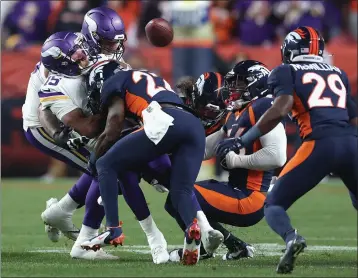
(96, 78)
(105, 31)
(206, 97)
(302, 44)
(246, 81)
(66, 53)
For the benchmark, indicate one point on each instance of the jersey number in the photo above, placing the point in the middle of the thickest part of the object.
(315, 99)
(52, 80)
(152, 88)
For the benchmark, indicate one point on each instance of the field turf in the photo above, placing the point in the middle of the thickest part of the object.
(325, 217)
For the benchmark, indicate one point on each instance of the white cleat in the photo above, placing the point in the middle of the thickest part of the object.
(78, 252)
(53, 233)
(211, 240)
(174, 256)
(158, 248)
(56, 218)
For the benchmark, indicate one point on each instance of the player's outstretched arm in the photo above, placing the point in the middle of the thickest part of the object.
(114, 126)
(89, 126)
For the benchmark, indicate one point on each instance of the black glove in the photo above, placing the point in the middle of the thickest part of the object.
(78, 142)
(227, 145)
(61, 137)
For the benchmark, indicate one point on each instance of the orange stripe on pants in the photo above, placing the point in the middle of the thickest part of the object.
(301, 155)
(247, 205)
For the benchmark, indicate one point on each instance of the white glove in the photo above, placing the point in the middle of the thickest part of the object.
(160, 188)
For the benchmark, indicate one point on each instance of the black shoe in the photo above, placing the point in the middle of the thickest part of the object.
(176, 254)
(293, 249)
(238, 249)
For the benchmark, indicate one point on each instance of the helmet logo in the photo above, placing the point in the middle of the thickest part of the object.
(259, 68)
(293, 37)
(54, 51)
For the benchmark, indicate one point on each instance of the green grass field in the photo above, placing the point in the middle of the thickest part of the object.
(325, 217)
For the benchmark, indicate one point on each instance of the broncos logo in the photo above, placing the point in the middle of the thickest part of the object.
(260, 69)
(293, 37)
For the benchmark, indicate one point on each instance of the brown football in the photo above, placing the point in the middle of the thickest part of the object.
(159, 32)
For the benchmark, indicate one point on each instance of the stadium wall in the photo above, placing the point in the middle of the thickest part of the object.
(19, 158)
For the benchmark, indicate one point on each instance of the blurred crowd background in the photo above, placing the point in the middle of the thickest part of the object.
(209, 35)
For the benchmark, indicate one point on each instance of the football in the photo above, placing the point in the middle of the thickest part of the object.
(159, 32)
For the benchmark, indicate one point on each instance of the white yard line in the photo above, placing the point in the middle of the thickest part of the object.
(264, 249)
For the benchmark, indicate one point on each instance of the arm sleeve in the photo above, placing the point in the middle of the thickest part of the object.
(271, 156)
(211, 141)
(59, 103)
(280, 81)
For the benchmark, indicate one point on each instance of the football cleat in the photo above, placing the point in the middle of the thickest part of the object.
(158, 248)
(293, 248)
(176, 254)
(211, 240)
(113, 236)
(192, 242)
(55, 218)
(239, 253)
(237, 249)
(53, 233)
(77, 252)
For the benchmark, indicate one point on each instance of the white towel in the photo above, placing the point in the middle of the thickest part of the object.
(156, 122)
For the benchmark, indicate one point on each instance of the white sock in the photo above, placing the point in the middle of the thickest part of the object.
(67, 204)
(203, 221)
(148, 226)
(86, 233)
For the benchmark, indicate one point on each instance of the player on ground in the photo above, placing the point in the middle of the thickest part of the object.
(238, 202)
(318, 95)
(169, 127)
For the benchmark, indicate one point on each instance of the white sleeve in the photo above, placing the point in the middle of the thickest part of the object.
(58, 97)
(271, 156)
(211, 141)
(60, 106)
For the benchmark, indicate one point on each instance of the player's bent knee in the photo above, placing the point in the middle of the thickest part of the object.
(102, 164)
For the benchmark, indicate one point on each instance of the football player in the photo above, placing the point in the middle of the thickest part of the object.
(60, 214)
(72, 100)
(238, 202)
(318, 96)
(169, 127)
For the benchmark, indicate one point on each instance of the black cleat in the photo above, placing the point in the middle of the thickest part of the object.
(293, 249)
(237, 249)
